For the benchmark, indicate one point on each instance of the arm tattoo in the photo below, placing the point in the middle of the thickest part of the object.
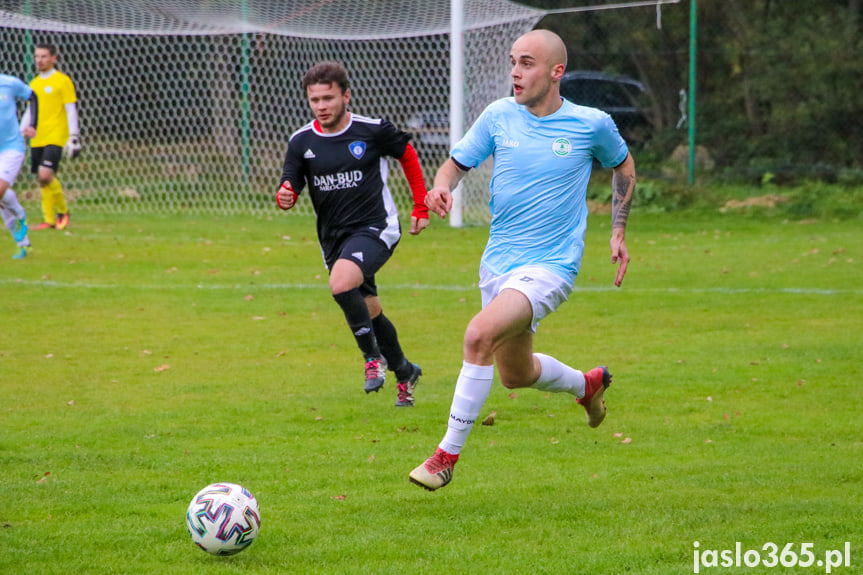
(621, 201)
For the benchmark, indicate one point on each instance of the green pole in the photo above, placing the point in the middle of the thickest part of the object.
(693, 19)
(244, 91)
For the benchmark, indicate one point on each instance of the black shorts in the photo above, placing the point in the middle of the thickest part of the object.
(365, 249)
(46, 156)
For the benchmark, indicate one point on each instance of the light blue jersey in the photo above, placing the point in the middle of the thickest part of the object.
(539, 182)
(11, 88)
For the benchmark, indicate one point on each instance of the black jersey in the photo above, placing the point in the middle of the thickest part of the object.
(347, 177)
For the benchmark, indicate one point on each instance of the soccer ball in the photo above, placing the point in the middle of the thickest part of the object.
(223, 518)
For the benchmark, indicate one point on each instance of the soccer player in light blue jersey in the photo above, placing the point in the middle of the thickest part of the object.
(12, 150)
(543, 148)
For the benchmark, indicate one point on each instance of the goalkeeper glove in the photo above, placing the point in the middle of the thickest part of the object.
(73, 147)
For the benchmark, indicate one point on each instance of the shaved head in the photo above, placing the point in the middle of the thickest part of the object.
(546, 44)
(538, 61)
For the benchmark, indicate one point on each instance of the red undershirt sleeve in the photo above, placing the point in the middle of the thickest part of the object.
(413, 172)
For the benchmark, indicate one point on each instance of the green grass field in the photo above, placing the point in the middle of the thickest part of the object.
(143, 357)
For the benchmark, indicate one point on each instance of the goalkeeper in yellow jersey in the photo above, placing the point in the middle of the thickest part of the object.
(58, 134)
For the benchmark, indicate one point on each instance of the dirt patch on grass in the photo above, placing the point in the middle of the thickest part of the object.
(598, 207)
(768, 201)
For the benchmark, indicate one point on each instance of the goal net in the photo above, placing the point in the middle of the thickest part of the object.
(188, 106)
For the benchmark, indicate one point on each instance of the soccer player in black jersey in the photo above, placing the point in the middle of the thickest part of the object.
(341, 157)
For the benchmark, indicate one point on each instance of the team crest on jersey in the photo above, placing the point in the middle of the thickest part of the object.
(358, 149)
(561, 147)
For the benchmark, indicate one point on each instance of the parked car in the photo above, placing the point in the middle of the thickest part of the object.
(430, 128)
(621, 97)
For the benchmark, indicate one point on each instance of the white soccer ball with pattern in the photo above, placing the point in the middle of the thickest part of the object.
(223, 518)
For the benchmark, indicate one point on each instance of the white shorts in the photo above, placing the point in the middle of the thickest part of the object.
(10, 164)
(545, 290)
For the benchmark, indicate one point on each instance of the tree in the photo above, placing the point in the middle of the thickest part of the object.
(780, 83)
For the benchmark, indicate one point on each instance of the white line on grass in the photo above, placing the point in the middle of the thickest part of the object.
(427, 287)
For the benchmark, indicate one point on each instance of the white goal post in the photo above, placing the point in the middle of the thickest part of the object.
(187, 106)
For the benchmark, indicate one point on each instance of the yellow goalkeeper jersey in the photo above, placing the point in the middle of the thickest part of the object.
(54, 92)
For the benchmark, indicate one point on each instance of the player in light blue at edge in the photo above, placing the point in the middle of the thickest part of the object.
(12, 150)
(543, 148)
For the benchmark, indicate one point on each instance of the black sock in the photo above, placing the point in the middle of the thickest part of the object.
(356, 311)
(388, 340)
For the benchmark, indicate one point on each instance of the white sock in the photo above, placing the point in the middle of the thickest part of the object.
(9, 219)
(471, 391)
(12, 211)
(10, 202)
(557, 377)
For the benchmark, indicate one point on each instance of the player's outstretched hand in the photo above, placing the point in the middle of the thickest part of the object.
(73, 147)
(418, 224)
(29, 132)
(439, 200)
(286, 197)
(619, 254)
